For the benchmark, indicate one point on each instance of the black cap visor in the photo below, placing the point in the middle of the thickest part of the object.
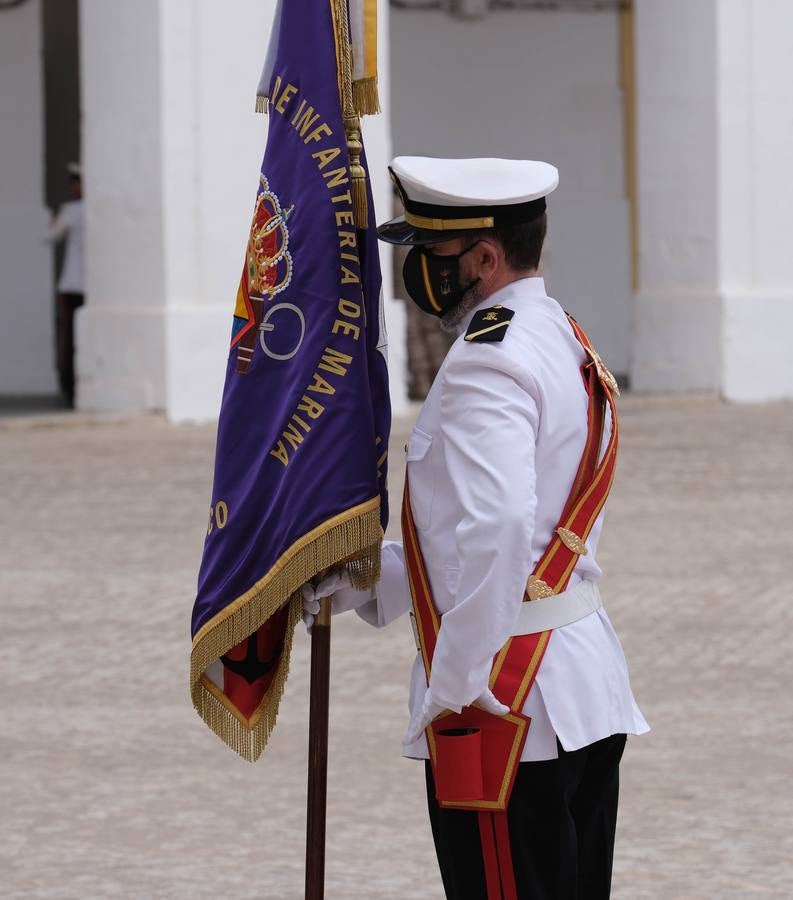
(398, 231)
(472, 219)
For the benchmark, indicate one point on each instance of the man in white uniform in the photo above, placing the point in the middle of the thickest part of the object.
(491, 464)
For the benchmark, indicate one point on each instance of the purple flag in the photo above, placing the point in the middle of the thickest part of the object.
(299, 484)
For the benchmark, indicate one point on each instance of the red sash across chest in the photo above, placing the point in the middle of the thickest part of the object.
(474, 754)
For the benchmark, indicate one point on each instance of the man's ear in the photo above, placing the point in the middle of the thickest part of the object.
(491, 258)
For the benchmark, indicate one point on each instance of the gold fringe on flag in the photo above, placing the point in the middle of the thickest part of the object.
(353, 539)
(365, 97)
(246, 737)
(363, 29)
(262, 104)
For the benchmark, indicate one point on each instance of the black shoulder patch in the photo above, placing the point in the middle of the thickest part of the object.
(489, 324)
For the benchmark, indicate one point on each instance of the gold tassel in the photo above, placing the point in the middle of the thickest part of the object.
(360, 201)
(365, 97)
(262, 104)
(352, 124)
(351, 538)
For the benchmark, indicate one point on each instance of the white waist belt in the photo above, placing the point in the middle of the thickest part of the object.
(559, 609)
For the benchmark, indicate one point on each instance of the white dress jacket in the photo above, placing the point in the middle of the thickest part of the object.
(491, 462)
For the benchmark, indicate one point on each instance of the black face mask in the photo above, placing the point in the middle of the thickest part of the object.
(433, 282)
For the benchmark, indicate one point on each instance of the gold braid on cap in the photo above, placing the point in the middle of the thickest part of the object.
(448, 224)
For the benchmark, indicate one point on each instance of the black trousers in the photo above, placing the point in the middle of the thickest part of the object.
(67, 306)
(558, 837)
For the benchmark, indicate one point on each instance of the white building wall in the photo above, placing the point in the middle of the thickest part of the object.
(212, 149)
(715, 137)
(755, 44)
(170, 196)
(677, 340)
(537, 85)
(121, 362)
(377, 135)
(27, 361)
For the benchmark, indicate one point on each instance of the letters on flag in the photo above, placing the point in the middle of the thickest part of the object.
(299, 483)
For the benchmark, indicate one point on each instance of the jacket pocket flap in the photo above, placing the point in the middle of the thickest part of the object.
(418, 445)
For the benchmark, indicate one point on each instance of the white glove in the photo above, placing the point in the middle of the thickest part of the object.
(430, 710)
(338, 586)
(421, 718)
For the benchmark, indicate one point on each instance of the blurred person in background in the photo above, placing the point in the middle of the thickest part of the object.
(67, 226)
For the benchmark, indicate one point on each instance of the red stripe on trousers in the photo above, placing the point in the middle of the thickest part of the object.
(504, 850)
(489, 856)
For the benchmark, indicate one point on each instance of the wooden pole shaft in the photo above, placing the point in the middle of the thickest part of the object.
(318, 753)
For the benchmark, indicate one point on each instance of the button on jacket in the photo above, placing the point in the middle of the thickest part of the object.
(491, 462)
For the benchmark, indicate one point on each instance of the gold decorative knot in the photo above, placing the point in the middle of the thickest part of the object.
(491, 317)
(537, 588)
(572, 541)
(606, 378)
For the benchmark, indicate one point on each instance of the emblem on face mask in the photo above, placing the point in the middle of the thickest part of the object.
(433, 280)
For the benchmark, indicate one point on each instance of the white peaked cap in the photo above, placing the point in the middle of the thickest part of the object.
(444, 198)
(474, 182)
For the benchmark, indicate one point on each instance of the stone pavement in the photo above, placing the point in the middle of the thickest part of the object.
(112, 787)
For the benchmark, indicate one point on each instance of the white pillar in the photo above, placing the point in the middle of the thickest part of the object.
(172, 154)
(377, 138)
(715, 144)
(756, 197)
(121, 364)
(172, 147)
(27, 364)
(677, 312)
(213, 142)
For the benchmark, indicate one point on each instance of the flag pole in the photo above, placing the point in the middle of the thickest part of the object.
(320, 632)
(318, 753)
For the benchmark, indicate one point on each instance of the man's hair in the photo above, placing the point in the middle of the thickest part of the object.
(522, 244)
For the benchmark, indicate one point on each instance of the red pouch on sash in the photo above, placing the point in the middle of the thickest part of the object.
(474, 767)
(458, 764)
